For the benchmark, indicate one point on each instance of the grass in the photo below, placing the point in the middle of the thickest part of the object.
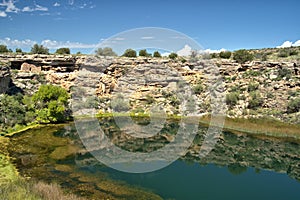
(28, 190)
(14, 187)
(260, 127)
(28, 127)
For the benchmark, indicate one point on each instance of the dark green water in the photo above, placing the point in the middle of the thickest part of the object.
(240, 167)
(192, 181)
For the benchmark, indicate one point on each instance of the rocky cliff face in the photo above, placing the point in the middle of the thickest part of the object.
(4, 79)
(253, 89)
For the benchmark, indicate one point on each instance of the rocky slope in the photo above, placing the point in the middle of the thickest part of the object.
(253, 89)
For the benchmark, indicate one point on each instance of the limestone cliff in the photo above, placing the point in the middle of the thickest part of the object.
(253, 89)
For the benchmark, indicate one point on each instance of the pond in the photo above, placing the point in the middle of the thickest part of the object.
(239, 167)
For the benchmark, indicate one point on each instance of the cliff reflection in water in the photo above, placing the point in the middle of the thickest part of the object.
(236, 151)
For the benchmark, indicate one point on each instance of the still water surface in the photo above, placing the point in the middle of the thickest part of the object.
(240, 167)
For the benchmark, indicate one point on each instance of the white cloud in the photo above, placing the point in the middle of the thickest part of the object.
(27, 9)
(297, 43)
(289, 44)
(52, 44)
(119, 39)
(147, 38)
(185, 51)
(10, 6)
(285, 44)
(213, 50)
(36, 8)
(17, 43)
(40, 8)
(2, 14)
(56, 4)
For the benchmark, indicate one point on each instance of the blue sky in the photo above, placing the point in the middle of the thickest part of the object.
(214, 24)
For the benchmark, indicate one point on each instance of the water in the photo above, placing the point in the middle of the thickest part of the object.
(240, 167)
(192, 181)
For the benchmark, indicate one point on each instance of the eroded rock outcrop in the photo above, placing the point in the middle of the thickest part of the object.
(4, 79)
(274, 83)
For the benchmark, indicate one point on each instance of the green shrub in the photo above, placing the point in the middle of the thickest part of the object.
(183, 60)
(225, 54)
(293, 93)
(63, 51)
(250, 73)
(198, 89)
(173, 56)
(214, 55)
(242, 56)
(270, 95)
(12, 111)
(232, 98)
(129, 53)
(235, 88)
(253, 87)
(144, 53)
(50, 103)
(18, 50)
(286, 52)
(293, 105)
(261, 56)
(284, 72)
(106, 51)
(119, 104)
(3, 48)
(156, 54)
(39, 49)
(149, 99)
(174, 101)
(283, 53)
(255, 100)
(293, 52)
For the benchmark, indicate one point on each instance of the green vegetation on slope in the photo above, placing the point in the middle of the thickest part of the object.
(48, 105)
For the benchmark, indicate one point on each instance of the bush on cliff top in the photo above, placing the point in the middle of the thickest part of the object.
(242, 56)
(225, 54)
(3, 48)
(173, 56)
(39, 49)
(144, 52)
(129, 53)
(156, 54)
(63, 51)
(106, 51)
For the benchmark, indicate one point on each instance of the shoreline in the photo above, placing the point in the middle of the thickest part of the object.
(258, 127)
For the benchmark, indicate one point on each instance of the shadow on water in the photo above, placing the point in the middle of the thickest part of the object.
(239, 167)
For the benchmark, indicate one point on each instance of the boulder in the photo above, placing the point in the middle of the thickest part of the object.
(25, 67)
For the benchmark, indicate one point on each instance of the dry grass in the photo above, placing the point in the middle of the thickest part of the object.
(52, 192)
(24, 190)
(260, 126)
